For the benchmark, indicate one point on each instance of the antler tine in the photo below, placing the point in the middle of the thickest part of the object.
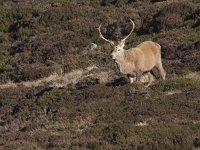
(100, 34)
(131, 30)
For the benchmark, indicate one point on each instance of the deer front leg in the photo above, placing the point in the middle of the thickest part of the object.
(131, 78)
(150, 77)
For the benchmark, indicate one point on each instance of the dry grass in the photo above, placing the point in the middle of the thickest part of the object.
(193, 75)
(9, 84)
(64, 80)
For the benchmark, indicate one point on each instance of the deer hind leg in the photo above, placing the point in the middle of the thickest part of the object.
(161, 70)
(150, 78)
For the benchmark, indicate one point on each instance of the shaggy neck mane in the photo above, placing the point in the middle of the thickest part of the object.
(129, 56)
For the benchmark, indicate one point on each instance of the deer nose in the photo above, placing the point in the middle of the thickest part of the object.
(112, 56)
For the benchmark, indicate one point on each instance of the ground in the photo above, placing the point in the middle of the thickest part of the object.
(58, 92)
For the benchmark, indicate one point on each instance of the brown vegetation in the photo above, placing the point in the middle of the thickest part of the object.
(99, 110)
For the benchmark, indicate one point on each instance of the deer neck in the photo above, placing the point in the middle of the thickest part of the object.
(123, 64)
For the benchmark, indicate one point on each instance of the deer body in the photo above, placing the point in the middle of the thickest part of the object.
(136, 61)
(144, 57)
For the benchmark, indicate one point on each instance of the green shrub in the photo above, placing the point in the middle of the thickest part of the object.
(6, 62)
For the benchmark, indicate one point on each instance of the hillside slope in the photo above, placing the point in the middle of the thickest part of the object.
(58, 92)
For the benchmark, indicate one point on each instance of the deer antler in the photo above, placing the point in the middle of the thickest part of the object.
(131, 30)
(100, 34)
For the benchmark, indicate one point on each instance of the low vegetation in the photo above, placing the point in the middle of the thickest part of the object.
(51, 99)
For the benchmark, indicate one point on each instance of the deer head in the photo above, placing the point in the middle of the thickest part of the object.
(118, 47)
